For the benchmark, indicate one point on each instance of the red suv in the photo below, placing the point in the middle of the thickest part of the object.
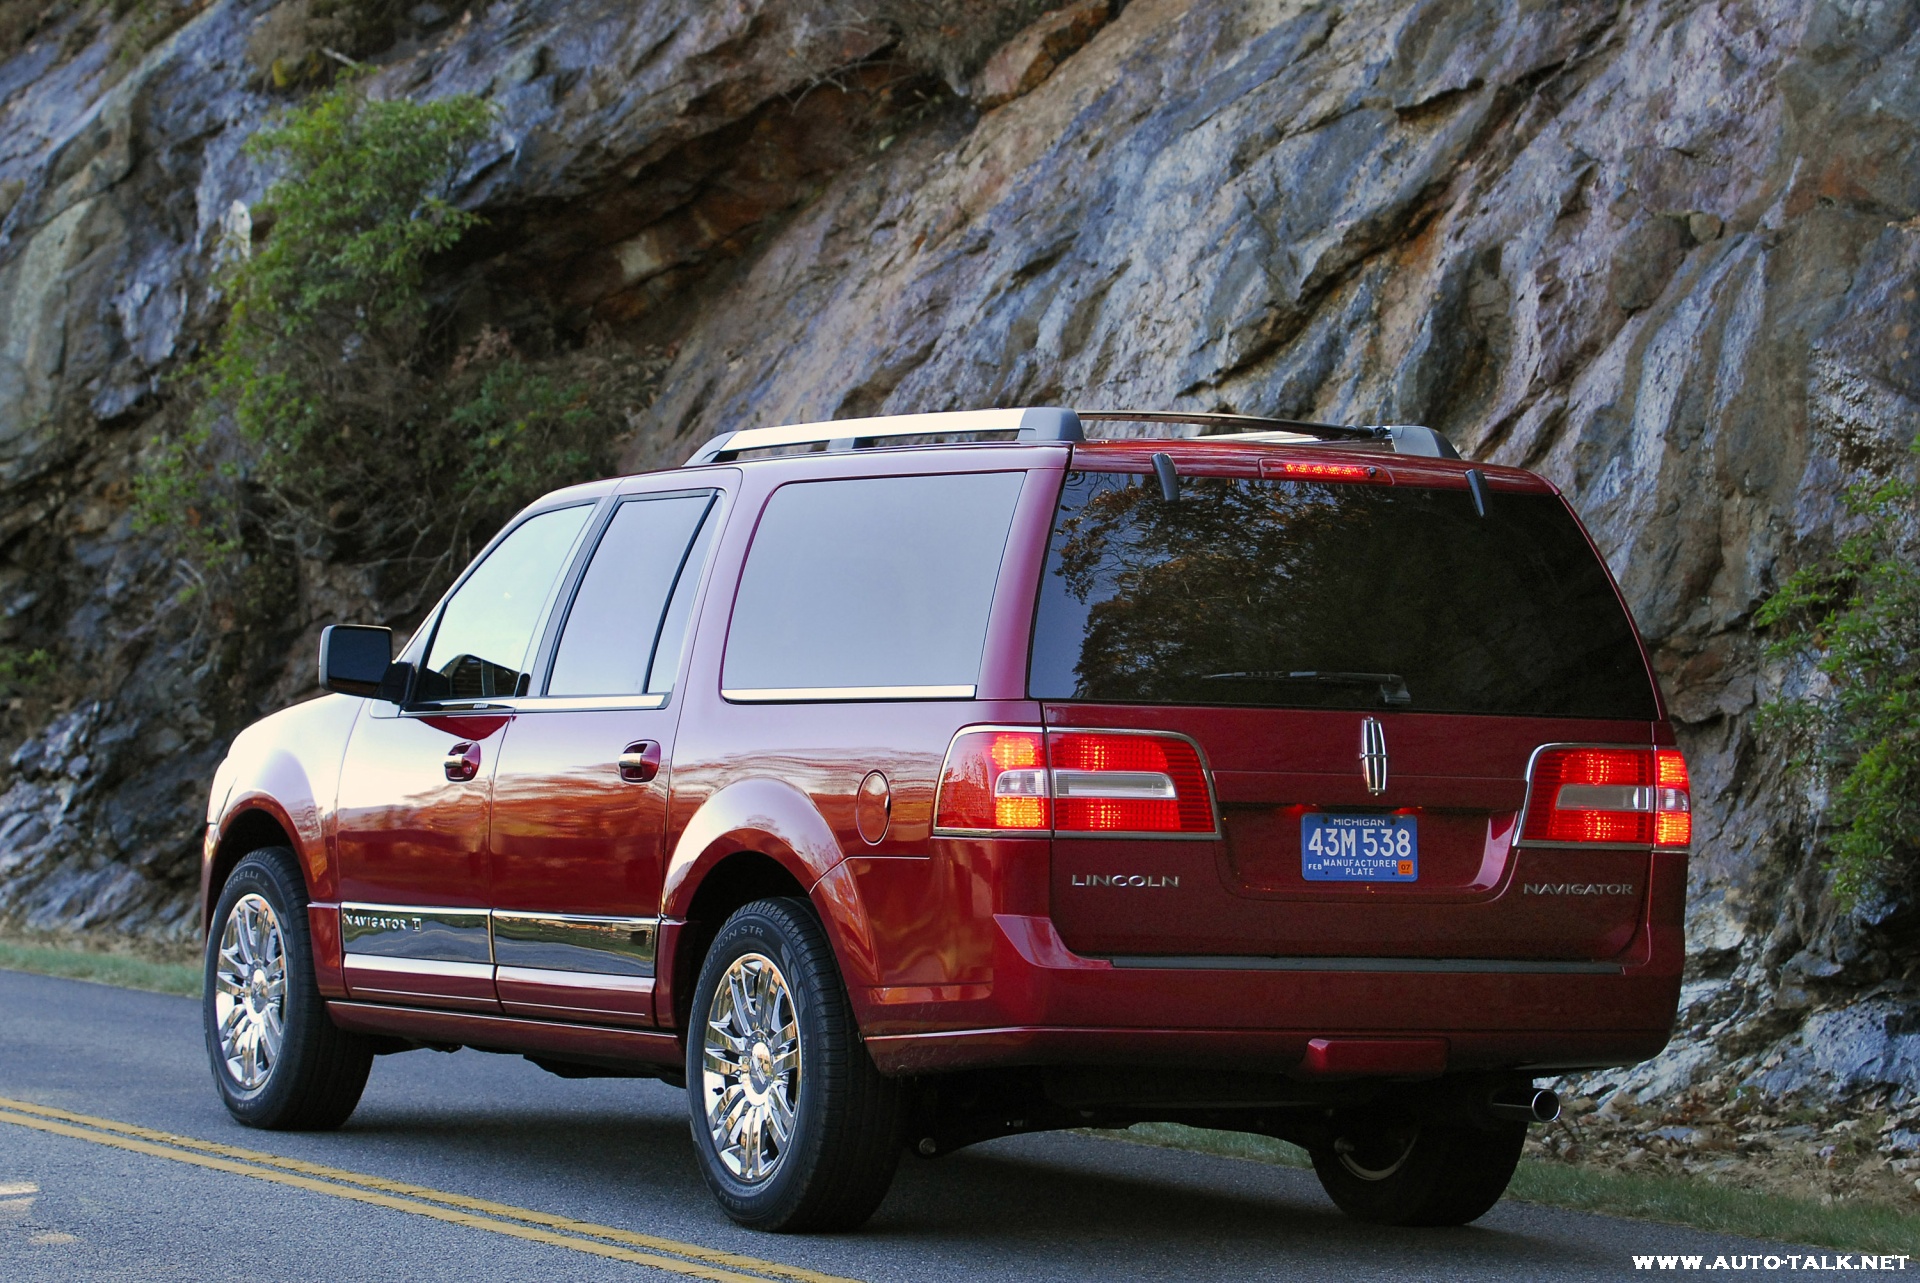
(903, 783)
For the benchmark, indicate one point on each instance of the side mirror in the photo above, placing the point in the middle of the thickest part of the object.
(355, 660)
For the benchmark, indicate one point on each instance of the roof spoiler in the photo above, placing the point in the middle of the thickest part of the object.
(1402, 438)
(1048, 423)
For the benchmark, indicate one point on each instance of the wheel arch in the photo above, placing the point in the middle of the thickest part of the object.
(248, 828)
(755, 839)
(737, 880)
(275, 788)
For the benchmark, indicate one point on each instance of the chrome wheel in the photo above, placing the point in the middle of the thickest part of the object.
(1374, 1156)
(250, 992)
(751, 1068)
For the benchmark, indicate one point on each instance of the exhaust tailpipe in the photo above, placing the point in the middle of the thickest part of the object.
(1525, 1105)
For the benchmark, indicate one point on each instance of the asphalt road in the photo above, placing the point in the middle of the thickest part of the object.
(118, 1162)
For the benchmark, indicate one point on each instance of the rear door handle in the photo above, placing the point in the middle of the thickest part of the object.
(463, 762)
(640, 761)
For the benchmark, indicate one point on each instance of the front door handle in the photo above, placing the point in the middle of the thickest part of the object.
(463, 762)
(640, 761)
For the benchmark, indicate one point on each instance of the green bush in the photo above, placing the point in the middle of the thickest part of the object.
(1856, 616)
(321, 422)
(22, 671)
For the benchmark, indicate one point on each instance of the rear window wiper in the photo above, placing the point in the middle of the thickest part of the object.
(1393, 687)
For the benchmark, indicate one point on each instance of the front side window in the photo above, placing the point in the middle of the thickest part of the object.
(1308, 594)
(613, 642)
(479, 650)
(879, 583)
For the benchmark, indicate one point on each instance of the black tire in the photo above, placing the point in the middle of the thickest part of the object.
(316, 1079)
(1398, 1172)
(848, 1122)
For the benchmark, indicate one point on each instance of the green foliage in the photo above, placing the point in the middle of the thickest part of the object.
(523, 426)
(362, 205)
(322, 422)
(24, 671)
(330, 309)
(1857, 616)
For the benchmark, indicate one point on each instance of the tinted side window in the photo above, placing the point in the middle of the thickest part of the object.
(673, 631)
(613, 628)
(883, 581)
(479, 650)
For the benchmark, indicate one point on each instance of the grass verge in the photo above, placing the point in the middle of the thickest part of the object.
(1676, 1200)
(50, 956)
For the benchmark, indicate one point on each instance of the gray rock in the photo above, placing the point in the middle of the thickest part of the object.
(1872, 1043)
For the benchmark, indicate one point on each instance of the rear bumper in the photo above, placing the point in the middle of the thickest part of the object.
(1048, 1005)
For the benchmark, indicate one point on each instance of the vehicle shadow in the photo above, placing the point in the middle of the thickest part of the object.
(1127, 1208)
(620, 1133)
(1062, 1202)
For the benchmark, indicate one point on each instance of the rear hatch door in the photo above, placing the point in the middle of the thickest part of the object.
(1367, 663)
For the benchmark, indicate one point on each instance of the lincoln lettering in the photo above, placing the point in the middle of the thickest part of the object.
(1124, 880)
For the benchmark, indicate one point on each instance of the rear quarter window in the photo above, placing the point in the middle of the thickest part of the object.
(1298, 593)
(871, 583)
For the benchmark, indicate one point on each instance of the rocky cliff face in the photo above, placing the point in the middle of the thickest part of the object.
(1664, 253)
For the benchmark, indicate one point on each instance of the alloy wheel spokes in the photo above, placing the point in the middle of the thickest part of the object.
(1377, 1155)
(751, 1065)
(250, 992)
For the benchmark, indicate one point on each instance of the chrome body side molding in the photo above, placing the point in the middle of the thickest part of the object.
(450, 940)
(574, 942)
(414, 931)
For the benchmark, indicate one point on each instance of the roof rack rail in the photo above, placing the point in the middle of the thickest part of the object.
(1041, 423)
(1047, 423)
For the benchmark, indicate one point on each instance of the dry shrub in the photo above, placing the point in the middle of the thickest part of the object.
(292, 46)
(951, 37)
(22, 20)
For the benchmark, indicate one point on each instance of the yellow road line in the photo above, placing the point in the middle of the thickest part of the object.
(710, 1255)
(459, 1209)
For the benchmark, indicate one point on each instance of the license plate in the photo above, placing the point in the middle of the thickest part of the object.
(1359, 848)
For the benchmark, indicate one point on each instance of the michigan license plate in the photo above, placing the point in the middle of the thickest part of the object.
(1359, 848)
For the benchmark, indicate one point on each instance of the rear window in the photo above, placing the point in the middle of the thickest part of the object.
(877, 586)
(1323, 595)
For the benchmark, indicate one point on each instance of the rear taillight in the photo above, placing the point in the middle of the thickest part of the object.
(995, 780)
(1106, 783)
(1094, 782)
(1673, 812)
(1620, 796)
